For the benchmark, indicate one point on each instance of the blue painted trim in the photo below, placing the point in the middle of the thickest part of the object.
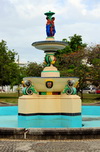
(66, 114)
(53, 42)
(50, 71)
(51, 77)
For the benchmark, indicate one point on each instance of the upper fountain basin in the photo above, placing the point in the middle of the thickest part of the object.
(49, 45)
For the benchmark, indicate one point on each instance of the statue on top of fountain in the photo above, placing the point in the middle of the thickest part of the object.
(50, 27)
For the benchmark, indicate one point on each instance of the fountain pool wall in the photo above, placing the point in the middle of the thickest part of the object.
(9, 118)
(49, 121)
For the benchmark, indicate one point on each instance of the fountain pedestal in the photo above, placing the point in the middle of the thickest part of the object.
(50, 71)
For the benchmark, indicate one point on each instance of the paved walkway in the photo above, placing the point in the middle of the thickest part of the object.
(49, 146)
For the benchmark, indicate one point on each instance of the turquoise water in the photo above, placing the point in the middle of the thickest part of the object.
(50, 121)
(9, 118)
(91, 116)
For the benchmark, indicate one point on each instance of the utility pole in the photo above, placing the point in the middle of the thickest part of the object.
(18, 60)
(18, 80)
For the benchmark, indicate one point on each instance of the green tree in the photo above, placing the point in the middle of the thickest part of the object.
(94, 61)
(8, 67)
(71, 56)
(71, 65)
(70, 60)
(23, 72)
(82, 71)
(34, 69)
(75, 43)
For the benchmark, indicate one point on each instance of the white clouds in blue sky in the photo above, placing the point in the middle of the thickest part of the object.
(23, 22)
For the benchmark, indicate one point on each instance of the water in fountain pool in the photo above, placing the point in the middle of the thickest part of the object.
(90, 116)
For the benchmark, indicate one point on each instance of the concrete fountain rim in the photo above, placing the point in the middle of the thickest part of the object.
(50, 133)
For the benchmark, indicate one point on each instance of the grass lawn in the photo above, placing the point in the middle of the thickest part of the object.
(91, 98)
(9, 98)
(13, 98)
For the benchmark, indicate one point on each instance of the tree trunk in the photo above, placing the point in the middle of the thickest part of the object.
(18, 90)
(82, 95)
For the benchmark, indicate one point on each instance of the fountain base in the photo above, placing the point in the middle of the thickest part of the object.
(49, 111)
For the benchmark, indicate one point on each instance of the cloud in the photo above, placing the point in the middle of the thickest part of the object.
(23, 22)
(96, 11)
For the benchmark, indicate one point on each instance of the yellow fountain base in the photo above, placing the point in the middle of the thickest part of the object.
(49, 104)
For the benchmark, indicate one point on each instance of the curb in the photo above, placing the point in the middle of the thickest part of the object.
(50, 133)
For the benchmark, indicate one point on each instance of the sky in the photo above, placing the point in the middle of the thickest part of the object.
(22, 22)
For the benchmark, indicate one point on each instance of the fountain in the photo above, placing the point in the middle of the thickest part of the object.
(49, 101)
(49, 107)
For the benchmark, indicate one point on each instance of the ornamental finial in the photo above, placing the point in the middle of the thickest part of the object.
(50, 27)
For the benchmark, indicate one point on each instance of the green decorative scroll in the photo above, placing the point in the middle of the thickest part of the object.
(69, 89)
(28, 88)
(49, 59)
